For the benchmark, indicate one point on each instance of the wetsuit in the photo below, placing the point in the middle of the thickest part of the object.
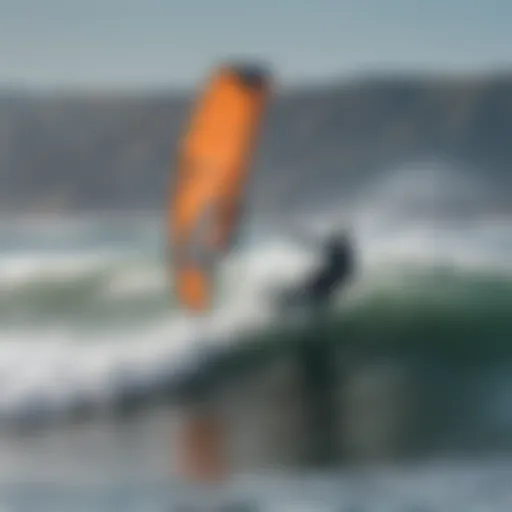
(317, 353)
(337, 268)
(316, 290)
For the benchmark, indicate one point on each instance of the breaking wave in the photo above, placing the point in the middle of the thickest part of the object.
(81, 324)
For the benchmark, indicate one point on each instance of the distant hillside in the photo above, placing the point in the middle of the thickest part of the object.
(320, 143)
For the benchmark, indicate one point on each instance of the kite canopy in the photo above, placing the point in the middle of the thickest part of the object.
(214, 157)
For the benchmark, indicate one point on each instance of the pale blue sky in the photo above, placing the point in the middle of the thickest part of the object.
(151, 43)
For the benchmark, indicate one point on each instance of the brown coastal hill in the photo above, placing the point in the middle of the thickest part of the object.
(71, 152)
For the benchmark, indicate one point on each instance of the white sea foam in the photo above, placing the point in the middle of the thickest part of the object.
(50, 364)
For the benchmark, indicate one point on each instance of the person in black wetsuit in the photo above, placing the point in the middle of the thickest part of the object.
(317, 349)
(336, 269)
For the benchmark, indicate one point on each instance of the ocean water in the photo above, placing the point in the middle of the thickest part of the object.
(87, 318)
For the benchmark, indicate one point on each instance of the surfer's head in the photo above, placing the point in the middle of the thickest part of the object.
(338, 240)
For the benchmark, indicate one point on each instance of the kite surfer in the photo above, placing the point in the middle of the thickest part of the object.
(337, 267)
(316, 353)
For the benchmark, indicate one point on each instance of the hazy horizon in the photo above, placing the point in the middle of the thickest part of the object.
(170, 89)
(151, 45)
